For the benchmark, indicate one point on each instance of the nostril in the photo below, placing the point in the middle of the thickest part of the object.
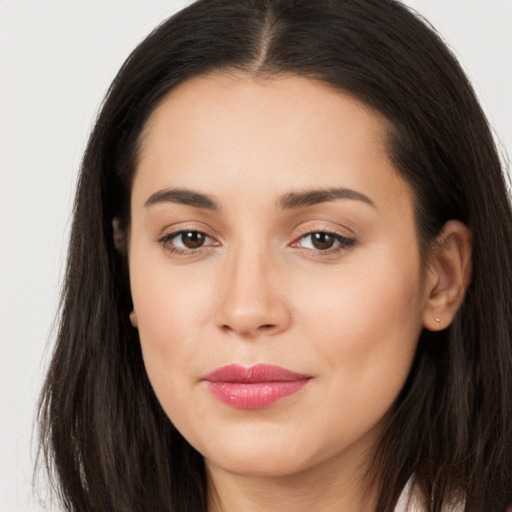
(249, 331)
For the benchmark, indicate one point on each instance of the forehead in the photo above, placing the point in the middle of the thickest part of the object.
(277, 105)
(225, 132)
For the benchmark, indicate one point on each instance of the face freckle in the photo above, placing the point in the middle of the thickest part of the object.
(224, 157)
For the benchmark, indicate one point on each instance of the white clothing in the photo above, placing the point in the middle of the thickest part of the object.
(411, 500)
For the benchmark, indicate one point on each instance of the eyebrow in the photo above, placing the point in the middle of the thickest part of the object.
(287, 202)
(312, 197)
(183, 196)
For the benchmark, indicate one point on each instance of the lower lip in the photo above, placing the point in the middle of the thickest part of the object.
(254, 395)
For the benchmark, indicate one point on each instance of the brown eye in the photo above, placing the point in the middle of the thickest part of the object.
(182, 241)
(192, 239)
(322, 241)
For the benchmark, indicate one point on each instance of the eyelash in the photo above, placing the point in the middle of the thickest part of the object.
(343, 243)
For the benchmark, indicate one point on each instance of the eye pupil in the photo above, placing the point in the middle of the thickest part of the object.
(322, 240)
(192, 239)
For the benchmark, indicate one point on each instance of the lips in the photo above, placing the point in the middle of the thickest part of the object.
(255, 387)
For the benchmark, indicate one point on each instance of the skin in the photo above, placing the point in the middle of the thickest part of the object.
(258, 291)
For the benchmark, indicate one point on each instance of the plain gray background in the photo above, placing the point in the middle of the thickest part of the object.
(57, 59)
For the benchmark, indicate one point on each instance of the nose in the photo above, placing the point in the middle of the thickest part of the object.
(252, 296)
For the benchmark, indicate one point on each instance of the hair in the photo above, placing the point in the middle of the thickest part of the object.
(104, 436)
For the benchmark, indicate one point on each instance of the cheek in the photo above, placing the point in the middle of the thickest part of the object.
(365, 329)
(167, 314)
(372, 312)
(171, 308)
(373, 301)
(169, 328)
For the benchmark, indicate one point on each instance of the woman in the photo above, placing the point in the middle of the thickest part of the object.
(288, 283)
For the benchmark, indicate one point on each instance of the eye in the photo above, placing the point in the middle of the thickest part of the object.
(186, 240)
(324, 241)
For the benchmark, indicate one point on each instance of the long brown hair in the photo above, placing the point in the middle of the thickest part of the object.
(104, 435)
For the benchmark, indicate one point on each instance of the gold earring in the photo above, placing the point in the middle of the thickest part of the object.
(133, 319)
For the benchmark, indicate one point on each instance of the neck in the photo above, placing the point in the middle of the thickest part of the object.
(329, 487)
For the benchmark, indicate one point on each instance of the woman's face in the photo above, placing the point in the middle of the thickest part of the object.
(269, 228)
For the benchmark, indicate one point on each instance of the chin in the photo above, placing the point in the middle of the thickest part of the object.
(266, 455)
(263, 464)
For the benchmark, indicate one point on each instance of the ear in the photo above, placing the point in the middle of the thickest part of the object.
(449, 274)
(133, 319)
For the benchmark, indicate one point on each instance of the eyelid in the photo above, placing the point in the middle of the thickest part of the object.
(181, 227)
(324, 228)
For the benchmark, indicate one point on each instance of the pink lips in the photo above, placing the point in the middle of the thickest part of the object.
(255, 387)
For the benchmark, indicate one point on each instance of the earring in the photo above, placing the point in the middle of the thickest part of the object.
(133, 319)
(438, 320)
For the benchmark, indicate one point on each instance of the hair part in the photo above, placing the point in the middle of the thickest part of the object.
(103, 432)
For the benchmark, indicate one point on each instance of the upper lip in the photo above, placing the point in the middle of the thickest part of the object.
(253, 374)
